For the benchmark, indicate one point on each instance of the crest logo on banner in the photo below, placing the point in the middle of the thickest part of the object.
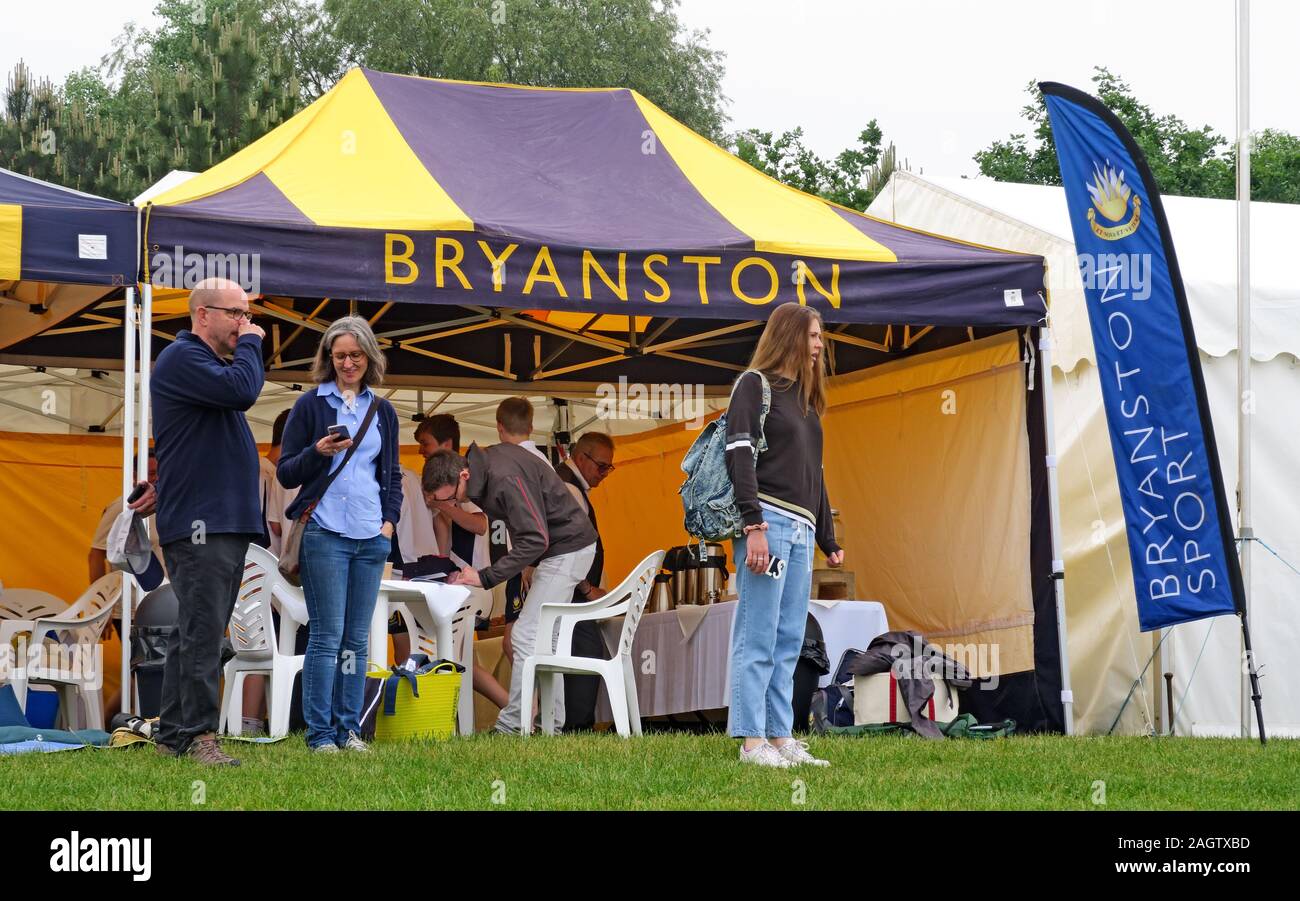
(1110, 197)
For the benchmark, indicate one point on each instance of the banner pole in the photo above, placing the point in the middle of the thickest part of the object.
(1054, 504)
(1245, 401)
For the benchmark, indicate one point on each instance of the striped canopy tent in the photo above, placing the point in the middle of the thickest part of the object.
(529, 224)
(544, 242)
(557, 241)
(61, 251)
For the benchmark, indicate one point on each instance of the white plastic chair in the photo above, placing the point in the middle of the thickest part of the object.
(69, 642)
(424, 640)
(627, 600)
(257, 648)
(19, 607)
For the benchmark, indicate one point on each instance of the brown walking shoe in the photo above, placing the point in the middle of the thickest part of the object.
(205, 750)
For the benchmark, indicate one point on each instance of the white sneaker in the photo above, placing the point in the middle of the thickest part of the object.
(325, 748)
(764, 755)
(796, 753)
(354, 743)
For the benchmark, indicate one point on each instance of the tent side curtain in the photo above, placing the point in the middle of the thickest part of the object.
(395, 188)
(53, 234)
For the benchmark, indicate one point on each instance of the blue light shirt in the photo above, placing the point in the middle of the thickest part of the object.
(351, 507)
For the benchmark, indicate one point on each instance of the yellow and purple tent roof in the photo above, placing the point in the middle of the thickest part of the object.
(392, 187)
(50, 233)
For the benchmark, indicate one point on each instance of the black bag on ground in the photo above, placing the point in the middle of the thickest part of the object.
(811, 666)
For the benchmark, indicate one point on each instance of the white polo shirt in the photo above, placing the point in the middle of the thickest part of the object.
(482, 556)
(415, 535)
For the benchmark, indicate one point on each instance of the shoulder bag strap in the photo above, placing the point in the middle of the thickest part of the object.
(361, 433)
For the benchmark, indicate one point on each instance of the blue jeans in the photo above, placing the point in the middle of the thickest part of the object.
(340, 582)
(767, 633)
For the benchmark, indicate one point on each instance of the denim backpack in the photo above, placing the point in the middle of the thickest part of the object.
(708, 497)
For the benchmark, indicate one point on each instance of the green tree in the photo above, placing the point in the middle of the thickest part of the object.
(1274, 166)
(226, 95)
(638, 44)
(852, 178)
(1192, 162)
(185, 96)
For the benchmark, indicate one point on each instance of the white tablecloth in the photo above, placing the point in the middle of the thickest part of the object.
(675, 674)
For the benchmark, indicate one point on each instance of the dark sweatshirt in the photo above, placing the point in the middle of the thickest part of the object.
(789, 475)
(207, 459)
(512, 483)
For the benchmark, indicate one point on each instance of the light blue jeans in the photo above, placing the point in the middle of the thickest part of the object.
(768, 631)
(340, 583)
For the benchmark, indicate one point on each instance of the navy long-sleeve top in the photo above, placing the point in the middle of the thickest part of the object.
(207, 460)
(788, 478)
(302, 465)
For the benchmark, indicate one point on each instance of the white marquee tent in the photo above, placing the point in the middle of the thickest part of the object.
(1108, 655)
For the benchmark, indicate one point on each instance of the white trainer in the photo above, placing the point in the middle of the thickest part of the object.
(796, 753)
(764, 755)
(354, 743)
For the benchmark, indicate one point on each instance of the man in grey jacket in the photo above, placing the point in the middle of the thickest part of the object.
(547, 527)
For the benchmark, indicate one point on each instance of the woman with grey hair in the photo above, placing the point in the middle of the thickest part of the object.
(340, 446)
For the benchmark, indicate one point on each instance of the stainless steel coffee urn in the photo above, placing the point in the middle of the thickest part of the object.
(661, 596)
(690, 577)
(682, 572)
(712, 577)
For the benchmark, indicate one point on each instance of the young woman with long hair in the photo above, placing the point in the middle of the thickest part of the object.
(783, 504)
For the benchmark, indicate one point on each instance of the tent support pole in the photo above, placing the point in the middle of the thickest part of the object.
(1245, 526)
(859, 342)
(128, 448)
(142, 467)
(1054, 504)
(688, 340)
(4, 401)
(717, 364)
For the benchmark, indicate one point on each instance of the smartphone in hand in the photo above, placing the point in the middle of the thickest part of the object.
(775, 568)
(339, 432)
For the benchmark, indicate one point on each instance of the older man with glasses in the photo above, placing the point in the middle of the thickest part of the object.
(591, 460)
(209, 505)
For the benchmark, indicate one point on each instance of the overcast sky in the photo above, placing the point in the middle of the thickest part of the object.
(943, 77)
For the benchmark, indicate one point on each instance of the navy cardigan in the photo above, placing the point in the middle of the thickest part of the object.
(301, 465)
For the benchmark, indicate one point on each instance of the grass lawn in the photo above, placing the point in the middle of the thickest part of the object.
(669, 771)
